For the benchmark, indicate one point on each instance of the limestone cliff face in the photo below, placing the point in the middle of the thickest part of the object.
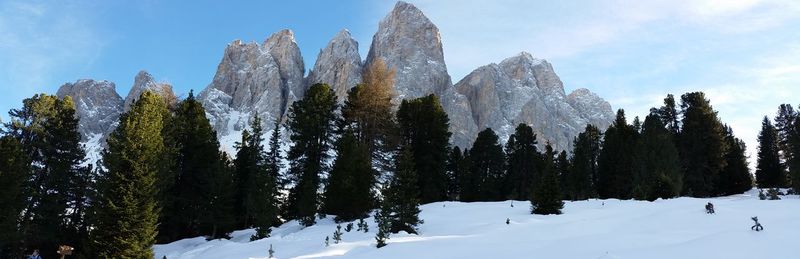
(254, 79)
(338, 65)
(96, 103)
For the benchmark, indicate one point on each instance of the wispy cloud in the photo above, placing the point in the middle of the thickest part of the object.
(38, 40)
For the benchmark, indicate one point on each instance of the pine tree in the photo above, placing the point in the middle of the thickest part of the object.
(348, 194)
(200, 187)
(337, 235)
(424, 127)
(669, 115)
(523, 161)
(47, 128)
(311, 123)
(546, 196)
(769, 171)
(701, 145)
(127, 209)
(617, 160)
(784, 123)
(659, 174)
(562, 166)
(735, 178)
(14, 170)
(401, 198)
(794, 157)
(486, 176)
(580, 181)
(455, 172)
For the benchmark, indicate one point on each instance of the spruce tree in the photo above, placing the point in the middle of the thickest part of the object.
(701, 145)
(546, 196)
(784, 123)
(311, 123)
(14, 171)
(735, 178)
(486, 176)
(424, 127)
(127, 209)
(659, 174)
(669, 115)
(769, 171)
(455, 172)
(562, 166)
(794, 158)
(580, 181)
(523, 161)
(348, 194)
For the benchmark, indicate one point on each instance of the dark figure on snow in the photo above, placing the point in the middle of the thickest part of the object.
(710, 208)
(757, 226)
(35, 255)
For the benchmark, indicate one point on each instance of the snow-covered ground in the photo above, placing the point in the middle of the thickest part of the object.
(675, 228)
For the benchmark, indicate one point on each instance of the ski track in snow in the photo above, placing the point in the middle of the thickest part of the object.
(675, 228)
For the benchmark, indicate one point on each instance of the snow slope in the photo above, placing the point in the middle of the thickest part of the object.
(676, 228)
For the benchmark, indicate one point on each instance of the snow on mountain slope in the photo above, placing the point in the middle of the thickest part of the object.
(676, 228)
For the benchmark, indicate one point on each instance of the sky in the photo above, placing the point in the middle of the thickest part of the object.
(744, 54)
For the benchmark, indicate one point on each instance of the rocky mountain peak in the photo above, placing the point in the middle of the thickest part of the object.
(144, 81)
(338, 64)
(594, 108)
(96, 103)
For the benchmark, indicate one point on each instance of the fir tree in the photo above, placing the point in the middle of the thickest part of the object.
(701, 145)
(311, 123)
(669, 115)
(14, 170)
(546, 197)
(784, 123)
(580, 181)
(348, 194)
(487, 174)
(127, 210)
(562, 166)
(523, 161)
(735, 178)
(455, 171)
(769, 171)
(424, 127)
(337, 235)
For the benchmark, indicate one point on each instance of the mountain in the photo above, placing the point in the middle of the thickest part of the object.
(338, 65)
(254, 79)
(265, 78)
(145, 82)
(524, 89)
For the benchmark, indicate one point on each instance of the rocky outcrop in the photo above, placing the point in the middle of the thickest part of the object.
(254, 79)
(523, 89)
(96, 103)
(145, 82)
(338, 65)
(410, 44)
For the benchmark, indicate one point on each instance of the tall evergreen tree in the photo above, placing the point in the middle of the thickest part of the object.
(794, 157)
(617, 160)
(486, 176)
(199, 184)
(669, 115)
(424, 127)
(735, 178)
(701, 145)
(349, 194)
(14, 170)
(523, 161)
(47, 128)
(659, 173)
(546, 196)
(769, 171)
(562, 166)
(784, 123)
(127, 209)
(456, 170)
(311, 123)
(402, 195)
(580, 181)
(255, 182)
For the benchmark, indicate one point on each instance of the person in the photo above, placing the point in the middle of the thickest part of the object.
(757, 226)
(35, 255)
(710, 208)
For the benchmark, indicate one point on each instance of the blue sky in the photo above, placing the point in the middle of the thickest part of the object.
(745, 54)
